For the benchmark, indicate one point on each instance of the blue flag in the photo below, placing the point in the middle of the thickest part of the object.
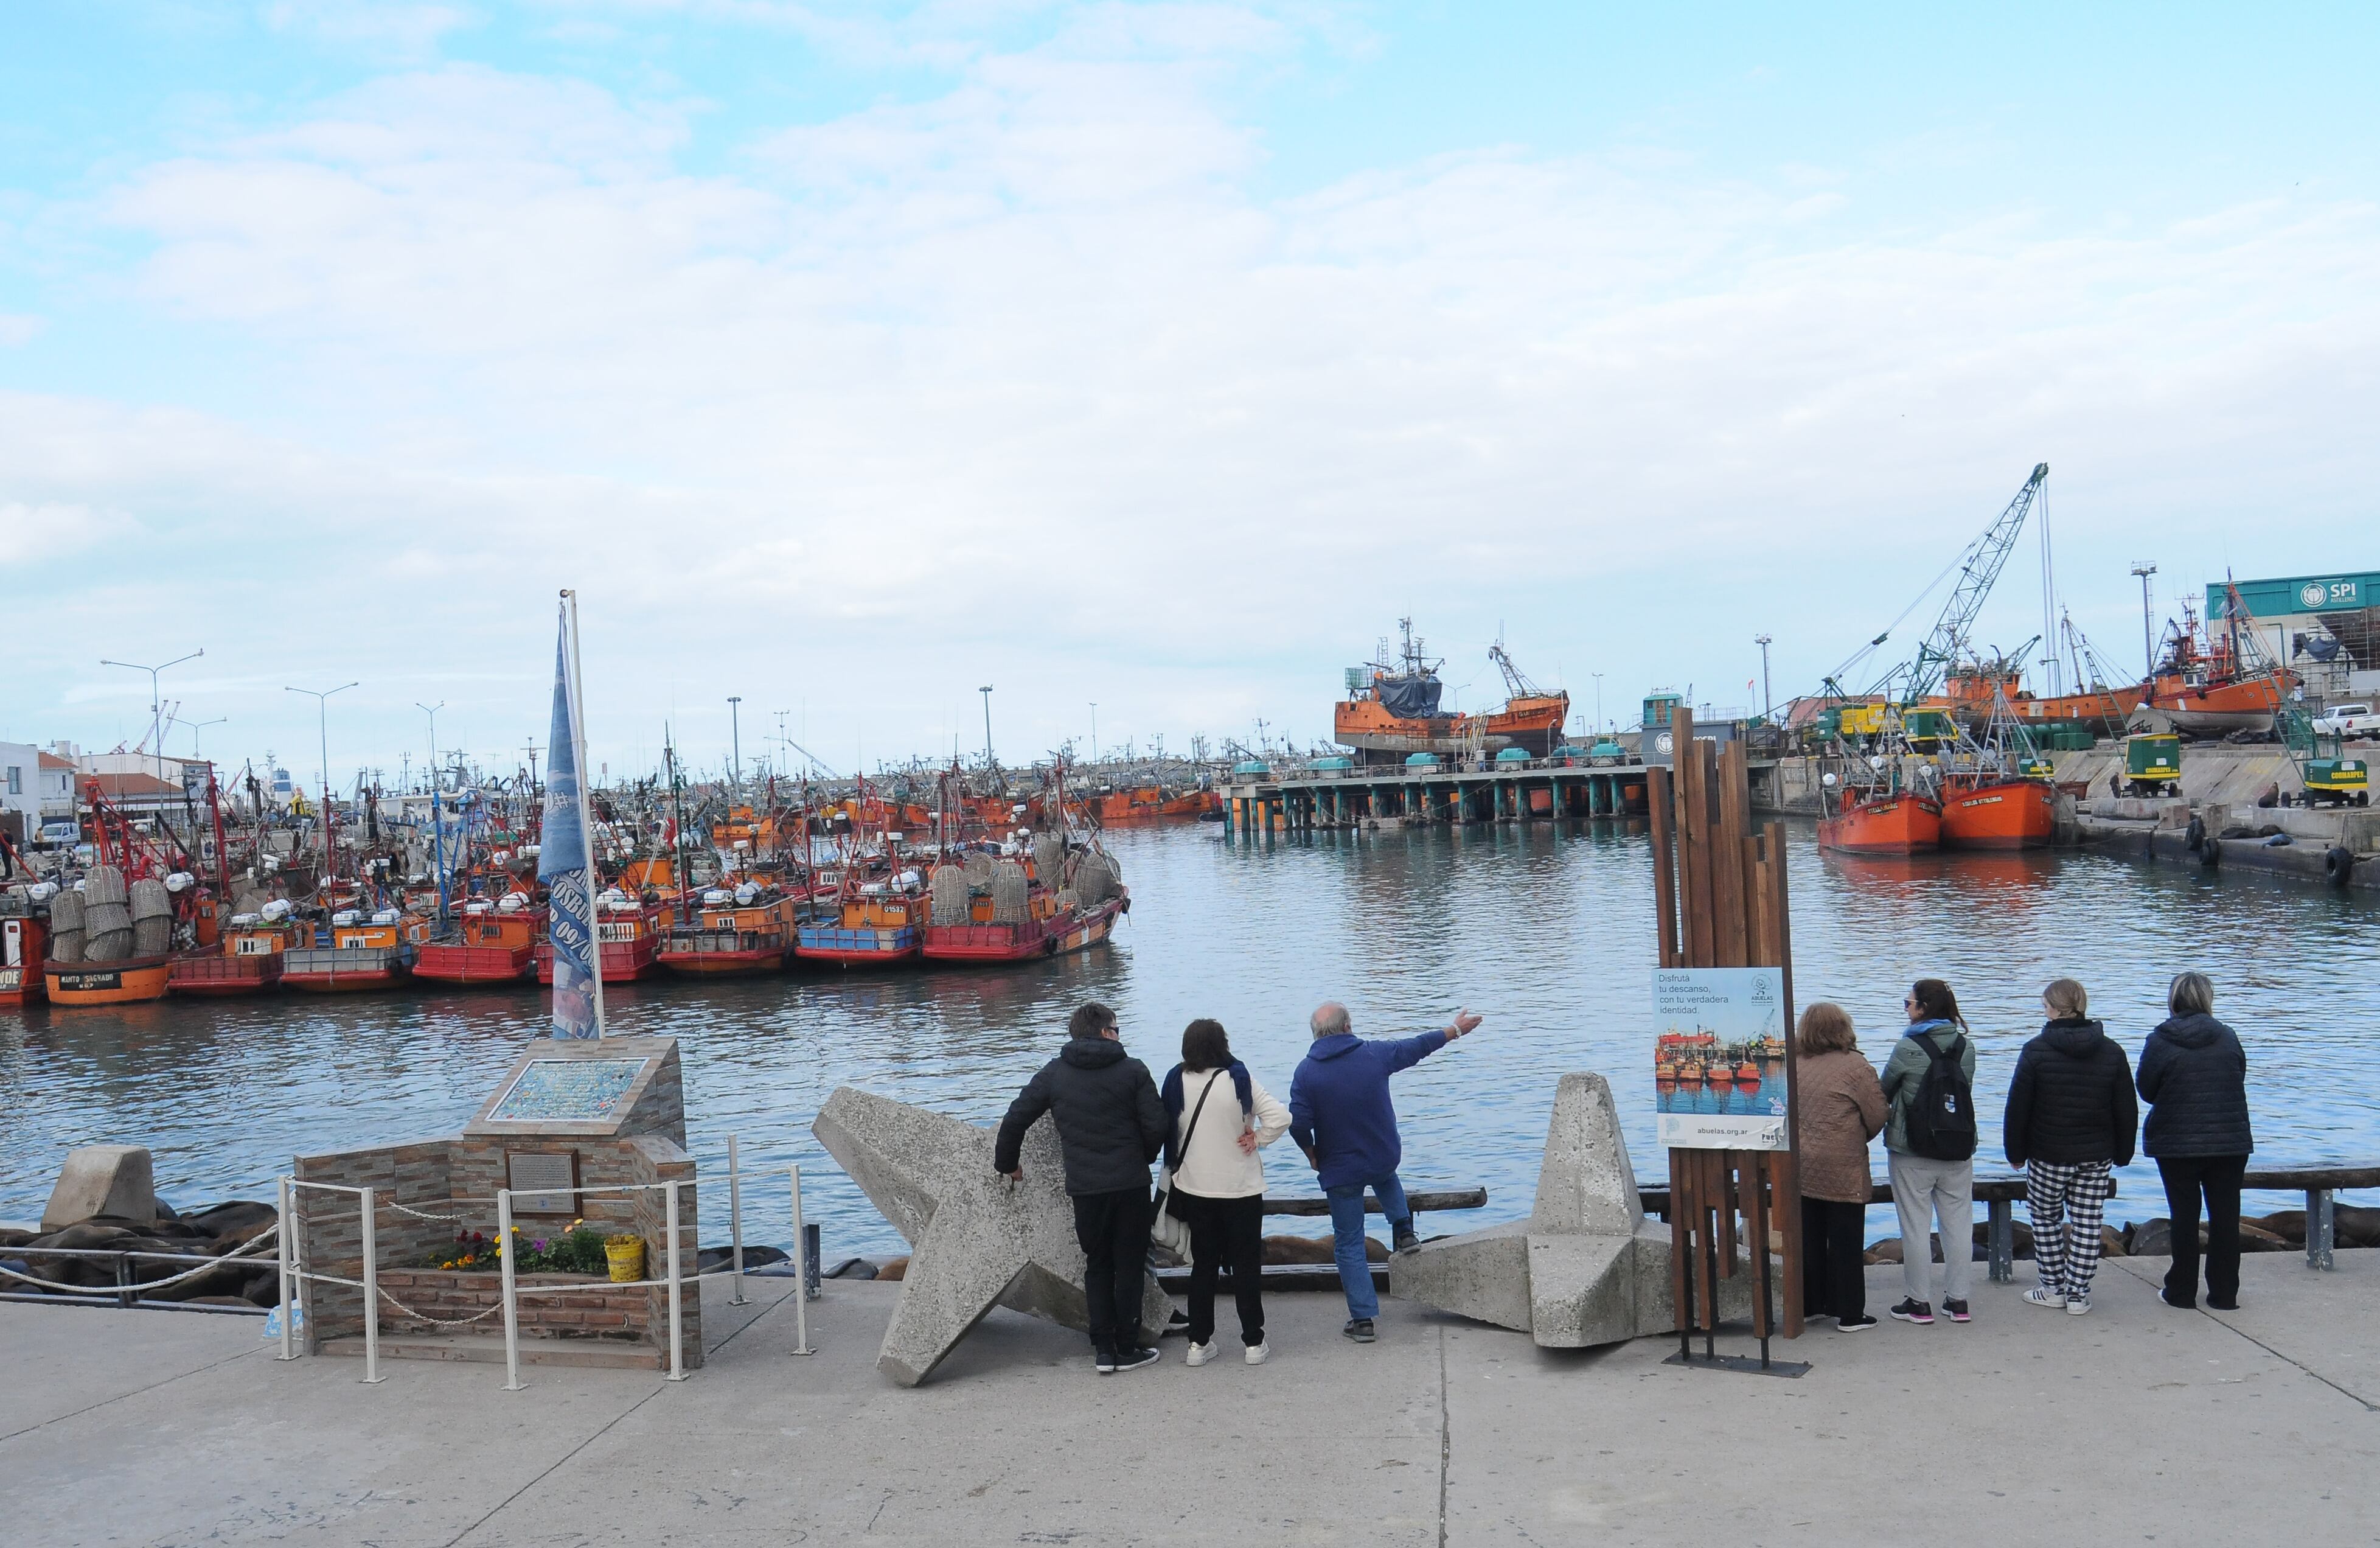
(563, 864)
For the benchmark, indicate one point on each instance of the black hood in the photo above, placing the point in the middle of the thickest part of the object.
(1091, 1052)
(2073, 1036)
(2197, 1030)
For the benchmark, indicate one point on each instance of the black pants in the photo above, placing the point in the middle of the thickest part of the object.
(1834, 1280)
(2217, 1178)
(1114, 1231)
(1226, 1234)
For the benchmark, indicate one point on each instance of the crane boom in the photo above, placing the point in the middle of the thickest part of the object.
(1979, 567)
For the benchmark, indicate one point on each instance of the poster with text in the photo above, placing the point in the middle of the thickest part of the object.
(1718, 1058)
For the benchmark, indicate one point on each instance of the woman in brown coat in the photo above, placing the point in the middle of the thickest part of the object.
(1840, 1109)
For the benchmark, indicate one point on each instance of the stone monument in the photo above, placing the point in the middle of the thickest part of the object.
(1586, 1267)
(976, 1240)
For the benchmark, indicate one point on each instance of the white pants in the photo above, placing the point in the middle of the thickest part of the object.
(1922, 1190)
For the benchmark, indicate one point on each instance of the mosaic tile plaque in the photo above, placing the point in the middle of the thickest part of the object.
(567, 1091)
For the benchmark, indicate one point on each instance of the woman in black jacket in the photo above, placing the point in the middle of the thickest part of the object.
(2194, 1074)
(2070, 1118)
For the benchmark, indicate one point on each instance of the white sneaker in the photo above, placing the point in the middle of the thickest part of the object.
(1257, 1352)
(2050, 1298)
(1199, 1354)
(2077, 1306)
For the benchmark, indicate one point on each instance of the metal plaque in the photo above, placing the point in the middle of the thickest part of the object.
(528, 1170)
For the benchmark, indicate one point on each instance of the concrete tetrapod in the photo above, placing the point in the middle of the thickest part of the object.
(1586, 1267)
(976, 1239)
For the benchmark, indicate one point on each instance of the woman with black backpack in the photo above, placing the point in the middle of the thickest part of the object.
(1929, 1142)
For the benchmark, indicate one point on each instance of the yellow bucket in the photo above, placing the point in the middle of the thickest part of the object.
(627, 1256)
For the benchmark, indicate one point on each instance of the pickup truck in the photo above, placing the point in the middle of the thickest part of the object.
(2348, 720)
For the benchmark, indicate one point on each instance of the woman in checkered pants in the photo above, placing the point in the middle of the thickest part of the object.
(2071, 1121)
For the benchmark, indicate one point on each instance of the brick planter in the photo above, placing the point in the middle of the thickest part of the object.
(452, 1294)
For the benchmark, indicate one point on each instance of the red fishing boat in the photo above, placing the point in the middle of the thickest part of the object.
(1998, 815)
(629, 934)
(1046, 921)
(747, 928)
(493, 941)
(1883, 823)
(365, 951)
(255, 950)
(23, 940)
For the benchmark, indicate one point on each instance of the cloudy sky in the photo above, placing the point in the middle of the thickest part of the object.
(847, 358)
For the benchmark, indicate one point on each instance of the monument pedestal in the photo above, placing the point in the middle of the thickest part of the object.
(570, 1114)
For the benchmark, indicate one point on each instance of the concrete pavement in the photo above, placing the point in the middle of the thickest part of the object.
(2136, 1423)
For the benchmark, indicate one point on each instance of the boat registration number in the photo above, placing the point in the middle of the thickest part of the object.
(84, 982)
(11, 978)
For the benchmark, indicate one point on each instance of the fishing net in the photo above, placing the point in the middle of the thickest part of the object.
(950, 887)
(1009, 890)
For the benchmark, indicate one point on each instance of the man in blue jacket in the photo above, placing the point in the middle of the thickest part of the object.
(1341, 1116)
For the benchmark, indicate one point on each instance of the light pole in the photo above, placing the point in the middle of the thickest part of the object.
(156, 713)
(195, 725)
(1095, 730)
(1767, 703)
(432, 710)
(985, 691)
(322, 698)
(1598, 702)
(736, 742)
(2143, 568)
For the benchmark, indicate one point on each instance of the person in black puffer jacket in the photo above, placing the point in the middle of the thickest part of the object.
(2194, 1075)
(2070, 1120)
(1110, 1126)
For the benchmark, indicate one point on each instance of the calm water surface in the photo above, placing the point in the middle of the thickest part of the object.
(1549, 932)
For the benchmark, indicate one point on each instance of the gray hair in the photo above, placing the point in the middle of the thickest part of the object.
(2191, 994)
(1330, 1019)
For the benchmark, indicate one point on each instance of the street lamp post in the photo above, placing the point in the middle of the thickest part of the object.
(1095, 730)
(322, 698)
(195, 726)
(985, 691)
(1767, 701)
(736, 742)
(1598, 702)
(432, 710)
(2149, 649)
(156, 710)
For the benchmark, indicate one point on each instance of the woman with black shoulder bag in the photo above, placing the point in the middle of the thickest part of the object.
(1214, 1180)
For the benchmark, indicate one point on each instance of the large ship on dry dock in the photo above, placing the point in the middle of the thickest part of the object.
(1393, 709)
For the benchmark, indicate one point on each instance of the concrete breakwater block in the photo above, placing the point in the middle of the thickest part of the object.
(976, 1240)
(114, 1180)
(1586, 1267)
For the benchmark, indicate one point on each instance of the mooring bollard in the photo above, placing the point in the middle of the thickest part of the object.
(801, 1276)
(372, 1292)
(677, 1311)
(735, 1220)
(288, 1271)
(512, 1305)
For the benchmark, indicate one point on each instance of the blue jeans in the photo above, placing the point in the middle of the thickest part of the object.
(1347, 1237)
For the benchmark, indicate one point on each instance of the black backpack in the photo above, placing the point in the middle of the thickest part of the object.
(1941, 1121)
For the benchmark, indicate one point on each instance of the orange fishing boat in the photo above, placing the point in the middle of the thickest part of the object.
(493, 941)
(1998, 813)
(23, 942)
(1886, 822)
(1972, 687)
(255, 950)
(876, 923)
(1151, 803)
(2207, 684)
(747, 928)
(1391, 709)
(366, 951)
(129, 982)
(963, 924)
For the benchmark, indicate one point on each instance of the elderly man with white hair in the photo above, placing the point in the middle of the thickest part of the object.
(1341, 1116)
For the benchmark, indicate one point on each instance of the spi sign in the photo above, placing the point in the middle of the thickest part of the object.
(2315, 595)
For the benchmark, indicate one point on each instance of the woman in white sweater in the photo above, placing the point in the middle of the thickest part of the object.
(1220, 1117)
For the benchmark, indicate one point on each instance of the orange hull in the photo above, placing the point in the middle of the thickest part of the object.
(2011, 814)
(1898, 825)
(23, 943)
(2244, 704)
(1532, 724)
(108, 983)
(1153, 806)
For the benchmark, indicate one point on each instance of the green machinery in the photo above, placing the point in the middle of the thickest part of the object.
(2153, 764)
(2338, 782)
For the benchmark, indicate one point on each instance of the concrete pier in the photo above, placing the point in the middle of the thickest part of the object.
(2135, 1423)
(1541, 788)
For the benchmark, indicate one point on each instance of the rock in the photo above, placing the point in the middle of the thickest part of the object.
(103, 1180)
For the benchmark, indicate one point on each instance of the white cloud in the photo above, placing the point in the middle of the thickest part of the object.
(1022, 382)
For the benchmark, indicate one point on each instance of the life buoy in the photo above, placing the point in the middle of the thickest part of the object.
(2337, 865)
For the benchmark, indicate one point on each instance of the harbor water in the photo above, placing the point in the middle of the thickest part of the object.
(1547, 932)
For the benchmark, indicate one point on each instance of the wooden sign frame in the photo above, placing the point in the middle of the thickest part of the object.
(1719, 895)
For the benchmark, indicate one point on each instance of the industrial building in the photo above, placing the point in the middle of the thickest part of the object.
(2325, 628)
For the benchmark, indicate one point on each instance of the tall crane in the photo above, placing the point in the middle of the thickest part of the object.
(1516, 683)
(1979, 567)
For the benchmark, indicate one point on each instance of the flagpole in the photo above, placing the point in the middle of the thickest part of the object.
(585, 813)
